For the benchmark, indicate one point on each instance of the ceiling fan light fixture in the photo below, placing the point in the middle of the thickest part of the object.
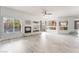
(44, 12)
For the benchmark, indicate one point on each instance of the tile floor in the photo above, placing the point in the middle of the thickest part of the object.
(44, 43)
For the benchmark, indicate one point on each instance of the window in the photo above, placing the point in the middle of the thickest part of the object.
(8, 25)
(17, 25)
(11, 25)
(63, 25)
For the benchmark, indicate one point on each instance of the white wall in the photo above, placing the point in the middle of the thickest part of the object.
(70, 20)
(11, 13)
(7, 12)
(0, 23)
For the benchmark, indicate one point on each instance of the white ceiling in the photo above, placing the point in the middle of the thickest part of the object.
(55, 10)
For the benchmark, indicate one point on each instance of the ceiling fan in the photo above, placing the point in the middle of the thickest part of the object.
(45, 12)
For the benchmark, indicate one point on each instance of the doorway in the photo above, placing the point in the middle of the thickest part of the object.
(76, 26)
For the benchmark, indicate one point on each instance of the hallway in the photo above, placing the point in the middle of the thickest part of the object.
(46, 42)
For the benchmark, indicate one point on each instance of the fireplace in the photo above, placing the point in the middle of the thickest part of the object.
(27, 29)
